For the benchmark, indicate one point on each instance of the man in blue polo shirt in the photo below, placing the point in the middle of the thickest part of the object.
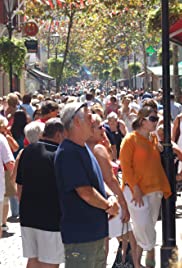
(82, 197)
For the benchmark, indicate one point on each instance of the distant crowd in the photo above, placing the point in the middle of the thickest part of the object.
(78, 169)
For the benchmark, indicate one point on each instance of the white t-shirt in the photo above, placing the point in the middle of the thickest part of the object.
(5, 157)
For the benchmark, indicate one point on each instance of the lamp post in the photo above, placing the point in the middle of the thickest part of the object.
(168, 206)
(56, 38)
(9, 5)
(135, 72)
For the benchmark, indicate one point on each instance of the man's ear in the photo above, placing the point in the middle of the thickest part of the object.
(77, 121)
(58, 137)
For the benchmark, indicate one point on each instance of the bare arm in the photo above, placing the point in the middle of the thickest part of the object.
(12, 143)
(19, 191)
(110, 179)
(91, 196)
(177, 150)
(175, 128)
(10, 166)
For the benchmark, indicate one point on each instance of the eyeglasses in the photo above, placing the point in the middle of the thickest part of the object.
(78, 109)
(152, 118)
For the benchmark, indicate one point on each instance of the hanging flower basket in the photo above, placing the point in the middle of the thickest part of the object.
(13, 53)
(155, 18)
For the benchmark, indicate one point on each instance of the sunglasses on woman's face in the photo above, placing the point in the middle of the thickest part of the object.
(100, 127)
(152, 118)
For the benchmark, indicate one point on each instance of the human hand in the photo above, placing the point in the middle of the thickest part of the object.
(113, 209)
(137, 196)
(160, 147)
(125, 215)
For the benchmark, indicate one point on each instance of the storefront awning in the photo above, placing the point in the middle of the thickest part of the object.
(40, 75)
(175, 32)
(157, 70)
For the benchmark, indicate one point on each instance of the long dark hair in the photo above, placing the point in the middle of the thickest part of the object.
(19, 122)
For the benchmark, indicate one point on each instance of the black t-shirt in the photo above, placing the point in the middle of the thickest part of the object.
(118, 136)
(115, 137)
(109, 134)
(39, 206)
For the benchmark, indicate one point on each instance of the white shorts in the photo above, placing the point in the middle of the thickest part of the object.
(46, 246)
(1, 212)
(116, 227)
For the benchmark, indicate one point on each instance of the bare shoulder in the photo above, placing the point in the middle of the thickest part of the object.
(179, 116)
(100, 150)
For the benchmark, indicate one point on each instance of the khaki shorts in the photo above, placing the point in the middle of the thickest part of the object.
(1, 212)
(10, 189)
(46, 246)
(86, 255)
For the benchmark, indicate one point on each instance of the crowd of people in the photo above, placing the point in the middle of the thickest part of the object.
(60, 160)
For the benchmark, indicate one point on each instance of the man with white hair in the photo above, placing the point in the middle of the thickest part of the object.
(82, 196)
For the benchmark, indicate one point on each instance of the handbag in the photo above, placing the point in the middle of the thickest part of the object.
(118, 263)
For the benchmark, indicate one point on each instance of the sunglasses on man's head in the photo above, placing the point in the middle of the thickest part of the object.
(79, 108)
(152, 118)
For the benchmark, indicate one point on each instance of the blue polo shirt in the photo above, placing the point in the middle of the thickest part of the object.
(76, 166)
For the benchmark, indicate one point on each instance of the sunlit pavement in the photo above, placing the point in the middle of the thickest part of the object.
(11, 249)
(114, 243)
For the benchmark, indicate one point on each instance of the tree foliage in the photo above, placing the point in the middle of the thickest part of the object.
(101, 32)
(159, 55)
(134, 67)
(54, 67)
(13, 54)
(115, 73)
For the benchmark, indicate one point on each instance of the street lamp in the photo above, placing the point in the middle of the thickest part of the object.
(168, 206)
(56, 38)
(135, 72)
(9, 5)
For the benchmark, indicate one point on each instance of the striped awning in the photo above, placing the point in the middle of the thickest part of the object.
(61, 3)
(175, 32)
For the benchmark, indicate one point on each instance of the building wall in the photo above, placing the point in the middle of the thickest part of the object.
(2, 13)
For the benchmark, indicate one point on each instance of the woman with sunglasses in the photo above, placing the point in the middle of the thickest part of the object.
(144, 180)
(102, 154)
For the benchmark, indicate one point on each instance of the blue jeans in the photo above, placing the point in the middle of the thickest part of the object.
(14, 205)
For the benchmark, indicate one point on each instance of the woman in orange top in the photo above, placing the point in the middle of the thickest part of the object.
(144, 179)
